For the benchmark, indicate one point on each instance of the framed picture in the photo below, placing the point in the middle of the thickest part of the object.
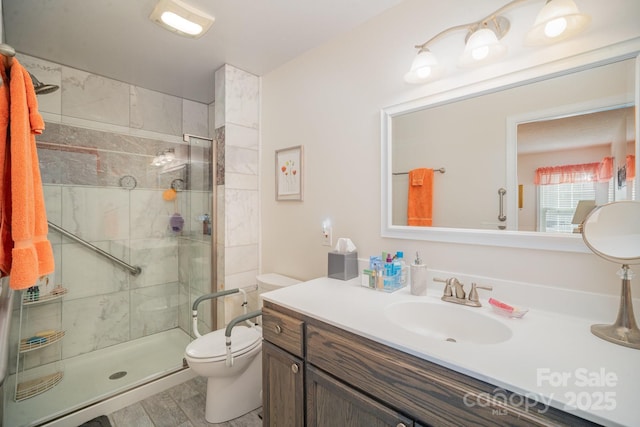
(289, 173)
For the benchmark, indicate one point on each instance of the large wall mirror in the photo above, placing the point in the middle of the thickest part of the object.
(512, 164)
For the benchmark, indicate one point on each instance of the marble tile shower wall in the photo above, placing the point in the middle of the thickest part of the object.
(97, 131)
(237, 119)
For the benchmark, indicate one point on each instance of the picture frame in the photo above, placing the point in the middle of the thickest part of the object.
(289, 173)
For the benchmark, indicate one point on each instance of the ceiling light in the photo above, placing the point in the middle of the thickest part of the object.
(558, 20)
(181, 18)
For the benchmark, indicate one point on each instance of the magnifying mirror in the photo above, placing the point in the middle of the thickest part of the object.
(612, 231)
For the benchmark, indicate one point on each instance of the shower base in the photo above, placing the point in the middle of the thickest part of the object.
(87, 379)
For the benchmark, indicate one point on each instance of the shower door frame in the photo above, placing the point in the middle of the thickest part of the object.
(186, 137)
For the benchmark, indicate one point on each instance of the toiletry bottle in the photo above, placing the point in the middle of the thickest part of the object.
(206, 224)
(404, 269)
(388, 265)
(418, 277)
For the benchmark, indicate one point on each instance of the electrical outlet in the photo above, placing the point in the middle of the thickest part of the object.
(326, 236)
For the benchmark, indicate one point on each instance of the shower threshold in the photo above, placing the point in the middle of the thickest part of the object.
(87, 377)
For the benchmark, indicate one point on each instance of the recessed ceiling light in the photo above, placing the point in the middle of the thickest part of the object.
(181, 18)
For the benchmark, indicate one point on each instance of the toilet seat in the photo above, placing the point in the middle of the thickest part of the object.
(211, 347)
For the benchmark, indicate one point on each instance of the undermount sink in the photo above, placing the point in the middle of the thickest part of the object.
(447, 322)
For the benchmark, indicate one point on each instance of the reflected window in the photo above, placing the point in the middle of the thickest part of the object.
(560, 188)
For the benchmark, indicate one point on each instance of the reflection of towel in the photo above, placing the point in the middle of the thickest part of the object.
(420, 203)
(25, 252)
(416, 176)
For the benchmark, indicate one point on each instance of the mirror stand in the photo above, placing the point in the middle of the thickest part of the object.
(625, 330)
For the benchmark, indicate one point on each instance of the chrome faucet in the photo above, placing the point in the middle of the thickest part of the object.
(454, 292)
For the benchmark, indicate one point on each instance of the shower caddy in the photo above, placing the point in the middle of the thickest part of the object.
(34, 342)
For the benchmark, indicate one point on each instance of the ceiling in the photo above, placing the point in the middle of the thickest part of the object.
(575, 132)
(115, 38)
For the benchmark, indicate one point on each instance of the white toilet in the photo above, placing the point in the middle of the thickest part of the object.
(236, 390)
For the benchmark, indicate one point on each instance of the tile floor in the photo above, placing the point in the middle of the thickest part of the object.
(179, 406)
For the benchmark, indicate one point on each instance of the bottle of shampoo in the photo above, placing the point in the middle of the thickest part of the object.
(404, 269)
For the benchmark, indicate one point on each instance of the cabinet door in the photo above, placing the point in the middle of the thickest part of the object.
(331, 403)
(282, 388)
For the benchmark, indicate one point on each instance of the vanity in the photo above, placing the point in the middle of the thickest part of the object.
(336, 353)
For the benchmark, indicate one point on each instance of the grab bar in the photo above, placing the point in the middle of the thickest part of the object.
(227, 333)
(501, 216)
(194, 308)
(134, 270)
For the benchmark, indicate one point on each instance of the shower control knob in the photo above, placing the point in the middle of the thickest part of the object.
(278, 329)
(294, 368)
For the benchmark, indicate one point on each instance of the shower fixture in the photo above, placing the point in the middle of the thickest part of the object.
(42, 88)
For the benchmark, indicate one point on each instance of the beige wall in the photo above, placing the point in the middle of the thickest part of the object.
(329, 100)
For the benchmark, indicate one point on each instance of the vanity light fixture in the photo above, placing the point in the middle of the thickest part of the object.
(181, 18)
(423, 68)
(558, 20)
(164, 157)
(483, 44)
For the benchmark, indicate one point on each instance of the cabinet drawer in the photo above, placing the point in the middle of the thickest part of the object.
(284, 331)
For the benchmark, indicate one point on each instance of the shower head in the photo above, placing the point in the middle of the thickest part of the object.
(42, 88)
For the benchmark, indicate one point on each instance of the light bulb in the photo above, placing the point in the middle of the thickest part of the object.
(423, 67)
(480, 53)
(555, 27)
(423, 72)
(557, 20)
(180, 23)
(482, 46)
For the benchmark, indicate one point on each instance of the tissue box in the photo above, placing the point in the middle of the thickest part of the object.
(343, 266)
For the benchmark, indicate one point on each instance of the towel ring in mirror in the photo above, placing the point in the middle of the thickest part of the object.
(612, 231)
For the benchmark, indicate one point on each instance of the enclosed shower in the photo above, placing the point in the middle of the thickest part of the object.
(132, 225)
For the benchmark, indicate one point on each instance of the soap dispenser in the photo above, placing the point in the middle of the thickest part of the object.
(418, 278)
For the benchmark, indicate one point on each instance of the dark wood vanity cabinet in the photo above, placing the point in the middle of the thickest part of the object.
(352, 381)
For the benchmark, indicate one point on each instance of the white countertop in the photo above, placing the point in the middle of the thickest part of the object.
(551, 357)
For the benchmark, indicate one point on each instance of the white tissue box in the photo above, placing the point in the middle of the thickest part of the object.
(343, 266)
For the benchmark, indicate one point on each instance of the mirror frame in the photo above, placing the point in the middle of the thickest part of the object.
(504, 238)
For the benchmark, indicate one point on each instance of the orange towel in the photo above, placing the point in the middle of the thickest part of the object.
(420, 203)
(25, 252)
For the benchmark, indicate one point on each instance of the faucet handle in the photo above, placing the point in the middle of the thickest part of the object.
(473, 293)
(458, 288)
(447, 287)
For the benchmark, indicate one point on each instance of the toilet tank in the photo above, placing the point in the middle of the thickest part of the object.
(272, 281)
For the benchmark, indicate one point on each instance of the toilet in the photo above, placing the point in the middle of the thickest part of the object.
(236, 390)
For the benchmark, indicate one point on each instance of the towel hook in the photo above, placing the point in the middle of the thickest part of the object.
(8, 53)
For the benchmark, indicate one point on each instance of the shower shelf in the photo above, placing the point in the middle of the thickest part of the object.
(33, 381)
(34, 387)
(57, 293)
(40, 342)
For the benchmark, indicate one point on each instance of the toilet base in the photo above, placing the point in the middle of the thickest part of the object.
(232, 397)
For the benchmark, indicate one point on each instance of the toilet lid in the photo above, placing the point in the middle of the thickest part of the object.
(213, 344)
